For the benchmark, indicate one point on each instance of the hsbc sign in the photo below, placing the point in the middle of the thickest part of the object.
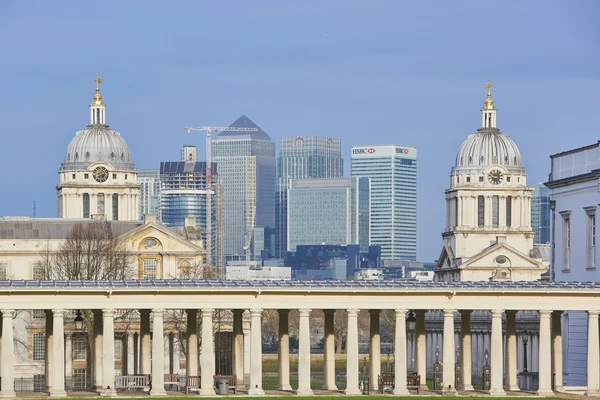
(365, 150)
(384, 151)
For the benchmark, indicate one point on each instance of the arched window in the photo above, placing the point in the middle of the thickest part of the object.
(480, 211)
(508, 210)
(495, 206)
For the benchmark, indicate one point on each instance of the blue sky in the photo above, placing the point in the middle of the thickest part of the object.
(370, 72)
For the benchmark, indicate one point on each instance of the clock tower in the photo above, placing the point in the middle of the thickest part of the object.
(488, 234)
(97, 177)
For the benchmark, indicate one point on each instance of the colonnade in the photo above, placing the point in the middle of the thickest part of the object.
(503, 360)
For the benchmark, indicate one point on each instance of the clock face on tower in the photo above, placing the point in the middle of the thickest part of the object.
(100, 174)
(495, 177)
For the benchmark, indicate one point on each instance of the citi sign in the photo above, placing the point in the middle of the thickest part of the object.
(363, 151)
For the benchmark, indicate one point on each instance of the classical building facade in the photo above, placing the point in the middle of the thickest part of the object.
(574, 184)
(488, 234)
(97, 176)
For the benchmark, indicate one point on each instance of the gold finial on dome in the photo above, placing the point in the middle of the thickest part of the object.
(489, 103)
(97, 97)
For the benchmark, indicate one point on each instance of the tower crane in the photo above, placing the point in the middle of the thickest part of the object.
(209, 130)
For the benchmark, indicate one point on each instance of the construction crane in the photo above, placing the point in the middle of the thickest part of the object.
(209, 191)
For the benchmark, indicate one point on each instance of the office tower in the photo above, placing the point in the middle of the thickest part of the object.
(183, 191)
(302, 157)
(393, 213)
(328, 211)
(246, 163)
(149, 180)
(540, 214)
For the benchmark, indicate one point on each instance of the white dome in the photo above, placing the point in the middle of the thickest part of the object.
(97, 143)
(488, 147)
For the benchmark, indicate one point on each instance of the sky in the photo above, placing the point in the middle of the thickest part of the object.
(369, 72)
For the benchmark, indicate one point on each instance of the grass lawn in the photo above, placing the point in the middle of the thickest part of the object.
(332, 397)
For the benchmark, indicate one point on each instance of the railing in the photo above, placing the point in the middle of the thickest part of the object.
(132, 381)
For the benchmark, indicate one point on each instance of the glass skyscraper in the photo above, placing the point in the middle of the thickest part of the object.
(392, 170)
(302, 157)
(149, 180)
(183, 191)
(246, 162)
(540, 214)
(328, 211)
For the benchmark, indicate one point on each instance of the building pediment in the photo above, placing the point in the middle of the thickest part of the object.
(152, 236)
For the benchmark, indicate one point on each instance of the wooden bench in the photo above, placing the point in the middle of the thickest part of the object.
(192, 383)
(129, 382)
(387, 381)
(173, 380)
(231, 381)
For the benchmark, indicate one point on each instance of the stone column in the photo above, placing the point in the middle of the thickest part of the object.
(465, 350)
(283, 352)
(191, 357)
(247, 352)
(108, 353)
(7, 367)
(511, 351)
(136, 353)
(557, 370)
(304, 354)
(49, 332)
(68, 351)
(238, 347)
(496, 355)
(58, 354)
(374, 350)
(130, 354)
(421, 348)
(145, 359)
(544, 353)
(256, 353)
(593, 355)
(97, 330)
(207, 354)
(158, 354)
(448, 354)
(400, 355)
(352, 353)
(329, 352)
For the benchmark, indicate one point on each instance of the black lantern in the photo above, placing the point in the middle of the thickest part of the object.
(78, 320)
(411, 321)
(525, 340)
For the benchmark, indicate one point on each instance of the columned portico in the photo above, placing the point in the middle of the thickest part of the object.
(58, 351)
(256, 353)
(374, 349)
(465, 350)
(352, 353)
(448, 354)
(283, 351)
(497, 355)
(7, 367)
(158, 354)
(329, 352)
(304, 354)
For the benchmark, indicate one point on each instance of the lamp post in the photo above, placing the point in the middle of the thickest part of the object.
(78, 320)
(525, 340)
(411, 325)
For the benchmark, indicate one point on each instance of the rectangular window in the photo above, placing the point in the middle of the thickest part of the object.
(481, 179)
(79, 349)
(79, 378)
(468, 179)
(100, 209)
(591, 238)
(149, 268)
(39, 347)
(73, 175)
(566, 241)
(86, 205)
(118, 350)
(86, 176)
(495, 206)
(39, 314)
(480, 211)
(37, 272)
(114, 176)
(115, 207)
(456, 211)
(3, 271)
(508, 211)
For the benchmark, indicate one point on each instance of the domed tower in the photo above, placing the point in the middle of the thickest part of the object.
(488, 234)
(97, 177)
